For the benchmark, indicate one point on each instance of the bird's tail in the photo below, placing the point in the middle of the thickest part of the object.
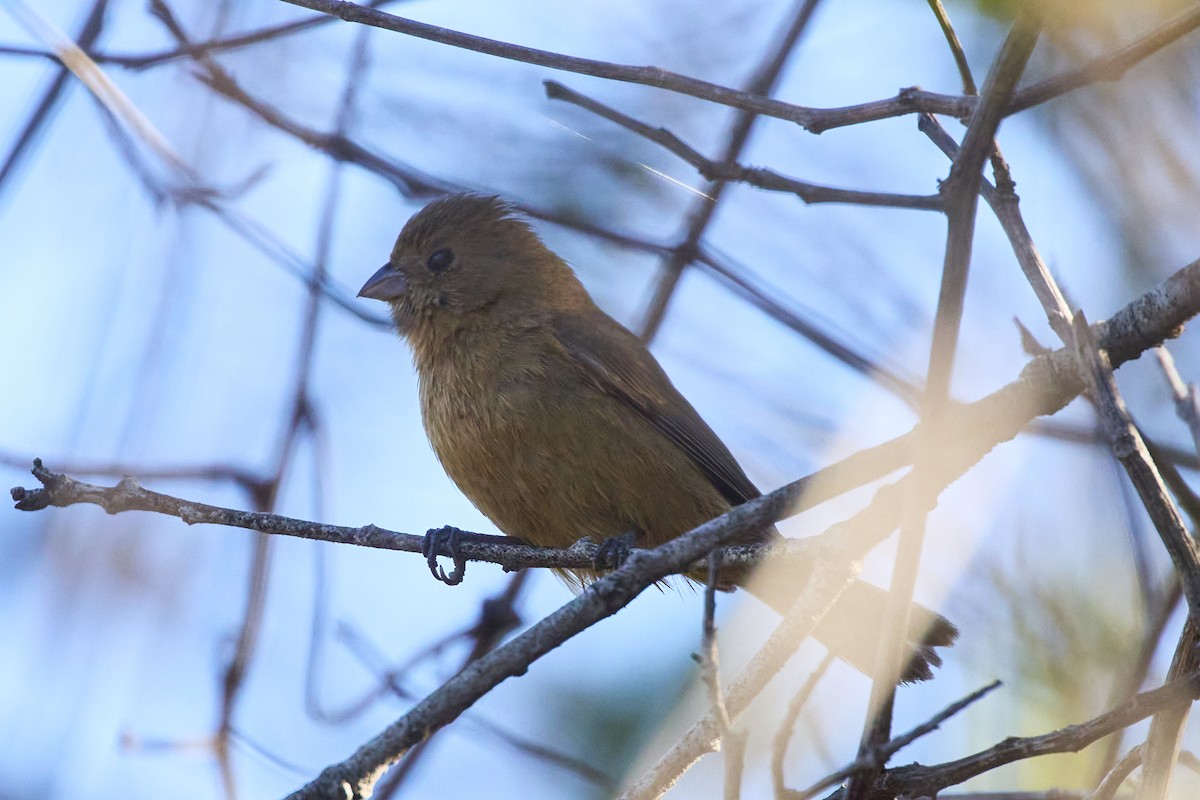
(853, 627)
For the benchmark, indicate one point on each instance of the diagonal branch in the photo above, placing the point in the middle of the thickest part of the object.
(961, 198)
(725, 171)
(918, 780)
(705, 208)
(814, 120)
(1045, 385)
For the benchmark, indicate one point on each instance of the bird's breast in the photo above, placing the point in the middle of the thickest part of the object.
(499, 421)
(548, 456)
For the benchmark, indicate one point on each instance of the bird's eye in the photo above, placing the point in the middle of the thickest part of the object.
(440, 260)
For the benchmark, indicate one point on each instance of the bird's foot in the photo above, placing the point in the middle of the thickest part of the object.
(613, 551)
(446, 539)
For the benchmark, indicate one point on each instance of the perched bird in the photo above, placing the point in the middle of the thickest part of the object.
(557, 422)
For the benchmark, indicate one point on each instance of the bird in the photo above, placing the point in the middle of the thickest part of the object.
(558, 423)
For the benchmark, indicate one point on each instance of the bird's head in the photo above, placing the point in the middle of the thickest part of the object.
(464, 257)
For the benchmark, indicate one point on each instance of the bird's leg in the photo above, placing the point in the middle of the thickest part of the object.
(613, 551)
(446, 541)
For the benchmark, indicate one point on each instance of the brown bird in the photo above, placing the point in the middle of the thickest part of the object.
(557, 422)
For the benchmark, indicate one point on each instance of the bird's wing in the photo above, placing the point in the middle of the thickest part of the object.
(620, 366)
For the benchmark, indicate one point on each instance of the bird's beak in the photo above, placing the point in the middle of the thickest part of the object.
(387, 283)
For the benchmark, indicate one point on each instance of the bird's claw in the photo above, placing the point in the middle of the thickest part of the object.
(613, 551)
(450, 538)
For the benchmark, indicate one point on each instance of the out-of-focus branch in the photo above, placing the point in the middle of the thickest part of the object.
(1166, 730)
(961, 195)
(355, 777)
(732, 742)
(1131, 451)
(737, 173)
(1046, 384)
(877, 758)
(1187, 396)
(779, 743)
(956, 48)
(703, 209)
(218, 45)
(1117, 775)
(1109, 67)
(88, 34)
(919, 780)
(815, 120)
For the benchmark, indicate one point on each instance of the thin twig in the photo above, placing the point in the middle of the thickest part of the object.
(1186, 395)
(733, 743)
(779, 744)
(221, 44)
(1130, 450)
(917, 779)
(1111, 66)
(1004, 204)
(763, 82)
(815, 120)
(1117, 775)
(956, 48)
(961, 197)
(1046, 385)
(879, 757)
(43, 111)
(737, 173)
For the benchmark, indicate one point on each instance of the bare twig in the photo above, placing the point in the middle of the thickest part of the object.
(245, 479)
(733, 743)
(754, 176)
(1117, 775)
(1046, 384)
(218, 45)
(1004, 204)
(1109, 67)
(1130, 450)
(917, 779)
(648, 76)
(956, 48)
(779, 744)
(815, 120)
(961, 197)
(355, 777)
(1187, 397)
(88, 34)
(701, 214)
(877, 758)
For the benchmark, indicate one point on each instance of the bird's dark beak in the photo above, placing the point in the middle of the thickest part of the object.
(387, 283)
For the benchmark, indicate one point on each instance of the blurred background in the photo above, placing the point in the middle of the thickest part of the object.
(181, 309)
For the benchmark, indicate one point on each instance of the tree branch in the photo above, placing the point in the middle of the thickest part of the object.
(917, 779)
(737, 173)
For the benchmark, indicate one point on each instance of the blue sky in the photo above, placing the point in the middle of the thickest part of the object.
(151, 335)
